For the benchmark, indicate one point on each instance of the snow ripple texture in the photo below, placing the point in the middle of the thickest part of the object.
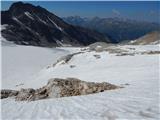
(139, 100)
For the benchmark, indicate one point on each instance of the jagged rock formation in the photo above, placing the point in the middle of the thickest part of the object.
(26, 24)
(57, 88)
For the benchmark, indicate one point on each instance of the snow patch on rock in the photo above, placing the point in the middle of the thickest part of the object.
(28, 15)
(59, 28)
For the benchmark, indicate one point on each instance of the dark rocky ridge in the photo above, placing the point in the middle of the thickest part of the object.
(34, 25)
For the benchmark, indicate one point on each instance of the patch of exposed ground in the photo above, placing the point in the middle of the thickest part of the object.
(117, 50)
(57, 88)
(151, 52)
(111, 49)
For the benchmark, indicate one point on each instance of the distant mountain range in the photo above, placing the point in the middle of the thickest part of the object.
(26, 24)
(116, 28)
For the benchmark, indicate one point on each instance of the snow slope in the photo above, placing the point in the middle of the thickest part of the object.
(20, 63)
(138, 100)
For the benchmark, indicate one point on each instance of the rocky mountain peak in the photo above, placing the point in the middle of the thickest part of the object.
(34, 25)
(21, 7)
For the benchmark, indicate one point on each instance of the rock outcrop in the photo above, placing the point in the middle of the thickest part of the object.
(8, 93)
(65, 59)
(57, 88)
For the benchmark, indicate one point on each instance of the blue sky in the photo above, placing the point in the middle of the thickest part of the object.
(138, 10)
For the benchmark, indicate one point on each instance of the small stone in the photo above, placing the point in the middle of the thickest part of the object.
(72, 66)
(97, 56)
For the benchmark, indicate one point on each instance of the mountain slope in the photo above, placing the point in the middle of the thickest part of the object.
(138, 100)
(151, 38)
(118, 29)
(34, 25)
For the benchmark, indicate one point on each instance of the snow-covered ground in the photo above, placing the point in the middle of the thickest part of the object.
(20, 63)
(26, 66)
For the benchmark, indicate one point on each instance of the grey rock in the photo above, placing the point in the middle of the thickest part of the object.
(97, 56)
(8, 93)
(66, 59)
